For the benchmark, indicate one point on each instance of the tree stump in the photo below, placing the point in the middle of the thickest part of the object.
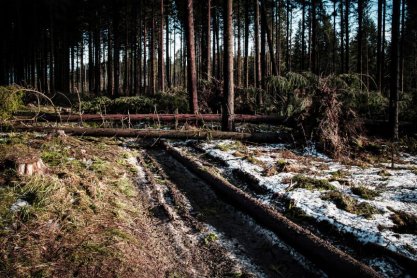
(28, 166)
(24, 160)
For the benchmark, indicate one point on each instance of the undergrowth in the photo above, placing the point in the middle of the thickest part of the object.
(160, 103)
(11, 99)
(79, 219)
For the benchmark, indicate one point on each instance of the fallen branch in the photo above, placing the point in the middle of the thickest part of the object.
(159, 117)
(165, 134)
(319, 251)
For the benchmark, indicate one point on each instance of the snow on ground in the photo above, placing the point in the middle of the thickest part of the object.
(397, 188)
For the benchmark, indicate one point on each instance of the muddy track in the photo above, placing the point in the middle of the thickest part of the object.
(259, 251)
(320, 251)
(347, 243)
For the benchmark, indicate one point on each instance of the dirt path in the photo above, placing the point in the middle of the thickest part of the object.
(241, 246)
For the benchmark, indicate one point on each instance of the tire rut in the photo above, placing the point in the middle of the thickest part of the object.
(238, 233)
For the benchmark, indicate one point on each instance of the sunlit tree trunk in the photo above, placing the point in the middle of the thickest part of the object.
(191, 63)
(161, 66)
(228, 103)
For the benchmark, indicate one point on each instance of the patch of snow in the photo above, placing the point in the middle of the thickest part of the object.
(398, 191)
(18, 205)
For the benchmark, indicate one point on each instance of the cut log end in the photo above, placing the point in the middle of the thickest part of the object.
(30, 168)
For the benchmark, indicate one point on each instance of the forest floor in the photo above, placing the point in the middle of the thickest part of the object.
(117, 207)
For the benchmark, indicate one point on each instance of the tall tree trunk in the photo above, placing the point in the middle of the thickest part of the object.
(109, 64)
(269, 39)
(379, 47)
(239, 50)
(90, 62)
(264, 70)
(161, 66)
(394, 83)
(72, 69)
(258, 72)
(215, 40)
(191, 63)
(82, 68)
(167, 54)
(145, 57)
(116, 62)
(334, 37)
(97, 59)
(228, 103)
(246, 61)
(347, 43)
(206, 43)
(287, 43)
(303, 34)
(342, 37)
(152, 83)
(278, 37)
(314, 49)
(402, 45)
(359, 68)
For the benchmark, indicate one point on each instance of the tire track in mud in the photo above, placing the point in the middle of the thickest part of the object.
(259, 252)
(385, 261)
(330, 258)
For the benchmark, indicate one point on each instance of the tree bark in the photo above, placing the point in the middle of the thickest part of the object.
(228, 90)
(347, 43)
(161, 66)
(206, 43)
(167, 54)
(314, 49)
(157, 117)
(257, 52)
(161, 134)
(359, 68)
(191, 63)
(379, 47)
(269, 39)
(246, 61)
(116, 48)
(394, 75)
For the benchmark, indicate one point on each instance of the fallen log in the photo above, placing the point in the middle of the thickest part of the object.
(319, 251)
(163, 134)
(158, 117)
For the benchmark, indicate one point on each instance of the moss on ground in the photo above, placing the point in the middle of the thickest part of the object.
(232, 146)
(405, 223)
(78, 219)
(365, 193)
(349, 204)
(308, 183)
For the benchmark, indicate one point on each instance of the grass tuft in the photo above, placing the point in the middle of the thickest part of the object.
(308, 183)
(349, 204)
(365, 193)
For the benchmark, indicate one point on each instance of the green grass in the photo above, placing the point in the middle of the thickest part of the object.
(405, 223)
(235, 146)
(365, 193)
(349, 204)
(211, 237)
(308, 183)
(338, 175)
(70, 209)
